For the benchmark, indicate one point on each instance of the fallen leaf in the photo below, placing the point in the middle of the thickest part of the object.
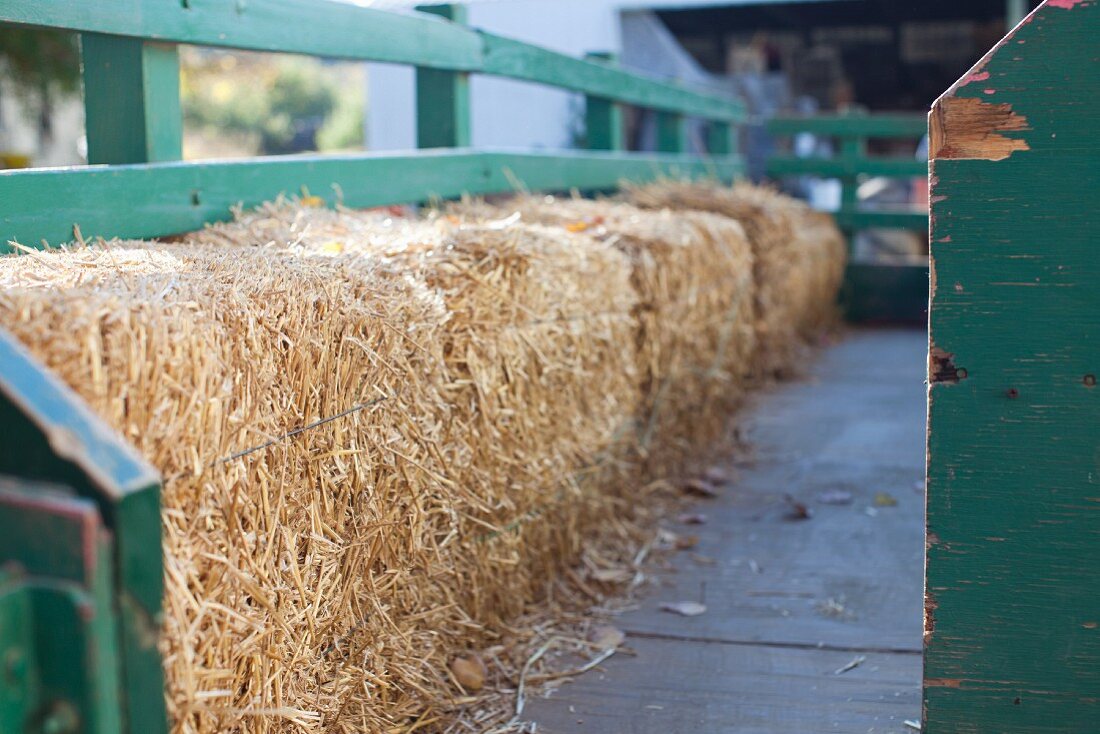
(333, 247)
(700, 488)
(684, 608)
(853, 663)
(835, 497)
(692, 518)
(796, 510)
(313, 201)
(577, 226)
(611, 575)
(687, 542)
(884, 499)
(606, 637)
(470, 672)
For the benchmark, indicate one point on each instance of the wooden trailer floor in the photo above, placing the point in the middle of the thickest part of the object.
(811, 625)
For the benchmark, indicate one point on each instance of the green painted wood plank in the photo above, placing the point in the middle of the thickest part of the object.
(672, 134)
(785, 165)
(506, 57)
(54, 437)
(442, 96)
(878, 125)
(1013, 618)
(885, 219)
(317, 27)
(603, 117)
(131, 100)
(158, 199)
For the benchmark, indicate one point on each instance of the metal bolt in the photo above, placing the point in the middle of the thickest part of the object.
(61, 718)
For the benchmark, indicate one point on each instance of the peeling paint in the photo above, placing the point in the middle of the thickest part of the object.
(977, 76)
(943, 683)
(969, 128)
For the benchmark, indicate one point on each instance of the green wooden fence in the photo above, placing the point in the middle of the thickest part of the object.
(872, 292)
(131, 81)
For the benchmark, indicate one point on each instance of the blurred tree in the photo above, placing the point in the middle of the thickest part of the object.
(40, 66)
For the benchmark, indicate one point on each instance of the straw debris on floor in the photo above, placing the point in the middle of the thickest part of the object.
(392, 445)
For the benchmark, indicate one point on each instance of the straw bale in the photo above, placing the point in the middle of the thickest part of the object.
(693, 275)
(373, 454)
(799, 259)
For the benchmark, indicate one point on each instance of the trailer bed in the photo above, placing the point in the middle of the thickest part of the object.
(812, 625)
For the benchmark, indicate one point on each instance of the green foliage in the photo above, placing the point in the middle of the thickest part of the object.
(284, 105)
(41, 65)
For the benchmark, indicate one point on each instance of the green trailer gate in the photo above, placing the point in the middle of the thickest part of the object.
(1012, 620)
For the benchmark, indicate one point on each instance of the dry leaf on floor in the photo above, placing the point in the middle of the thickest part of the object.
(692, 518)
(470, 672)
(796, 510)
(687, 542)
(699, 488)
(885, 499)
(853, 663)
(835, 497)
(606, 637)
(684, 608)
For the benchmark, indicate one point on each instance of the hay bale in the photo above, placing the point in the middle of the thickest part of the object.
(373, 454)
(693, 275)
(799, 259)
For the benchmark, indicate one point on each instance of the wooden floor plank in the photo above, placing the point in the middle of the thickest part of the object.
(788, 601)
(674, 687)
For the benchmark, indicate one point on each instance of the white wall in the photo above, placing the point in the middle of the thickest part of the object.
(504, 113)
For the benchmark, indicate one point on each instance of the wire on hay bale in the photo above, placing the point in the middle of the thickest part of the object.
(800, 258)
(693, 275)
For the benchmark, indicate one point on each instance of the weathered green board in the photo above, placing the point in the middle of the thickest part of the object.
(1012, 629)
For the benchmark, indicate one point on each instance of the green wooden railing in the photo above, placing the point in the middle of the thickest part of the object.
(872, 292)
(131, 82)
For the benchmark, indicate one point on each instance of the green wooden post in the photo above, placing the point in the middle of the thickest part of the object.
(603, 118)
(671, 132)
(721, 139)
(131, 100)
(443, 97)
(1015, 11)
(1012, 612)
(853, 150)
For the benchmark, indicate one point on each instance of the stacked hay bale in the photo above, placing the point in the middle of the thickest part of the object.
(384, 439)
(375, 449)
(693, 275)
(799, 259)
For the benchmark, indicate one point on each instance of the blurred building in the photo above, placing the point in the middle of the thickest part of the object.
(777, 54)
